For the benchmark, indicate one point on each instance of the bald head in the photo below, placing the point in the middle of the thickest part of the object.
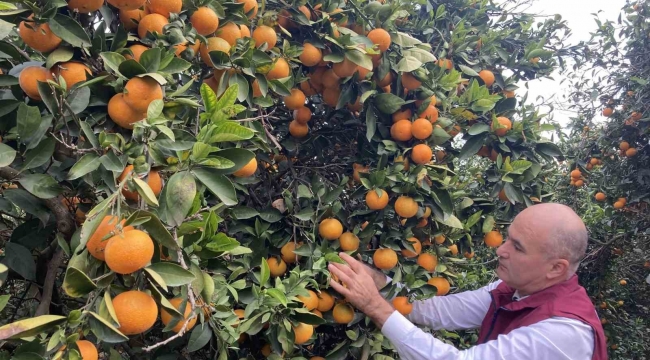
(559, 230)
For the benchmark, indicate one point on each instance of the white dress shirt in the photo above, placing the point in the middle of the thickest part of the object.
(556, 338)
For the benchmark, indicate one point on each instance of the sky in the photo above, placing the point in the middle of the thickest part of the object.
(578, 14)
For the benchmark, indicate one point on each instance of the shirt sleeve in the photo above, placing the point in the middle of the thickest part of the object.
(465, 310)
(551, 339)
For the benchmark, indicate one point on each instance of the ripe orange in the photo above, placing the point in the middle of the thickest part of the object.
(29, 78)
(624, 145)
(330, 229)
(453, 249)
(250, 7)
(487, 76)
(417, 245)
(38, 37)
(508, 94)
(137, 50)
(72, 72)
(427, 212)
(576, 173)
(600, 196)
(87, 350)
(630, 152)
(213, 44)
(229, 32)
(445, 63)
(122, 114)
(279, 70)
(468, 255)
(288, 255)
(248, 169)
(430, 113)
(385, 258)
(245, 31)
(439, 239)
(357, 168)
(421, 154)
(503, 121)
(579, 183)
(410, 82)
(381, 38)
(303, 333)
(127, 17)
(106, 229)
(265, 35)
(129, 251)
(182, 47)
(376, 202)
(153, 180)
(608, 111)
(205, 21)
(441, 284)
(623, 282)
(433, 101)
(298, 130)
(136, 312)
(402, 304)
(427, 261)
(343, 313)
(349, 241)
(345, 68)
(152, 23)
(141, 91)
(166, 317)
(85, 6)
(421, 129)
(401, 130)
(310, 301)
(402, 115)
(406, 207)
(493, 239)
(331, 96)
(165, 7)
(309, 88)
(127, 4)
(296, 100)
(277, 267)
(330, 79)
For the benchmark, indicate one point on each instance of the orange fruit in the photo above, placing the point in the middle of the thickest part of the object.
(331, 96)
(303, 333)
(245, 31)
(127, 17)
(445, 63)
(623, 282)
(85, 6)
(439, 239)
(349, 241)
(630, 152)
(487, 76)
(406, 207)
(296, 100)
(213, 44)
(137, 50)
(279, 70)
(345, 68)
(608, 111)
(402, 115)
(87, 350)
(165, 7)
(248, 169)
(453, 249)
(141, 91)
(441, 284)
(152, 23)
(468, 255)
(387, 80)
(493, 239)
(417, 245)
(433, 101)
(381, 38)
(29, 78)
(325, 301)
(250, 7)
(376, 202)
(576, 173)
(330, 229)
(205, 21)
(136, 312)
(508, 94)
(182, 47)
(309, 88)
(343, 313)
(579, 183)
(330, 79)
(129, 251)
(600, 196)
(410, 82)
(384, 258)
(402, 304)
(421, 154)
(127, 4)
(430, 113)
(427, 261)
(421, 129)
(302, 114)
(288, 255)
(38, 37)
(624, 145)
(265, 35)
(277, 267)
(298, 130)
(153, 180)
(401, 130)
(229, 32)
(310, 301)
(507, 125)
(98, 240)
(122, 114)
(72, 72)
(166, 317)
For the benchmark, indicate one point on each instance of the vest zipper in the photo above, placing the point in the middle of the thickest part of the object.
(494, 319)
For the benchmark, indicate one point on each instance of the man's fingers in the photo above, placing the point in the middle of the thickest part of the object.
(344, 268)
(339, 288)
(356, 265)
(344, 277)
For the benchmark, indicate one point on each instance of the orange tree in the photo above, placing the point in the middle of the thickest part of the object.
(606, 177)
(177, 175)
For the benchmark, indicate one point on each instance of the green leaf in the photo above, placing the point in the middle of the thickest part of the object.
(146, 192)
(221, 242)
(104, 330)
(8, 80)
(19, 259)
(451, 221)
(549, 149)
(112, 162)
(69, 30)
(181, 190)
(278, 295)
(478, 129)
(89, 162)
(28, 203)
(199, 337)
(371, 123)
(157, 230)
(7, 155)
(229, 97)
(217, 184)
(404, 40)
(488, 224)
(41, 185)
(157, 278)
(76, 283)
(472, 146)
(40, 154)
(150, 59)
(388, 103)
(424, 56)
(112, 60)
(172, 274)
(60, 54)
(467, 70)
(360, 58)
(131, 68)
(155, 109)
(209, 98)
(30, 327)
(230, 131)
(28, 122)
(408, 64)
(265, 272)
(244, 212)
(177, 65)
(4, 299)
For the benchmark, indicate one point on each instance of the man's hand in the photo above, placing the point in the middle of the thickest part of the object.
(359, 289)
(377, 276)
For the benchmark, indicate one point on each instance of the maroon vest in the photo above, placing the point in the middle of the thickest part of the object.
(567, 299)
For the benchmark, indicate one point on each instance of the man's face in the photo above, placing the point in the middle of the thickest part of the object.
(523, 263)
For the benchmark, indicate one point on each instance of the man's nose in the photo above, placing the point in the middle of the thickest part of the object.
(501, 251)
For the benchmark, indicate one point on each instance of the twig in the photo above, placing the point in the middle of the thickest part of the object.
(48, 285)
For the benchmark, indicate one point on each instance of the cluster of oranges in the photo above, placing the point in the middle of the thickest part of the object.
(626, 150)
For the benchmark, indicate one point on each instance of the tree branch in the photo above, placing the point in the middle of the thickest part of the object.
(48, 285)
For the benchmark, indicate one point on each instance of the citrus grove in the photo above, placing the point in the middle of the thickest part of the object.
(177, 175)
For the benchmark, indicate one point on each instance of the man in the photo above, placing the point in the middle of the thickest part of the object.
(537, 310)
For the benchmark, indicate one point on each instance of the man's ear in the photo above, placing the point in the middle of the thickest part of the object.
(559, 269)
